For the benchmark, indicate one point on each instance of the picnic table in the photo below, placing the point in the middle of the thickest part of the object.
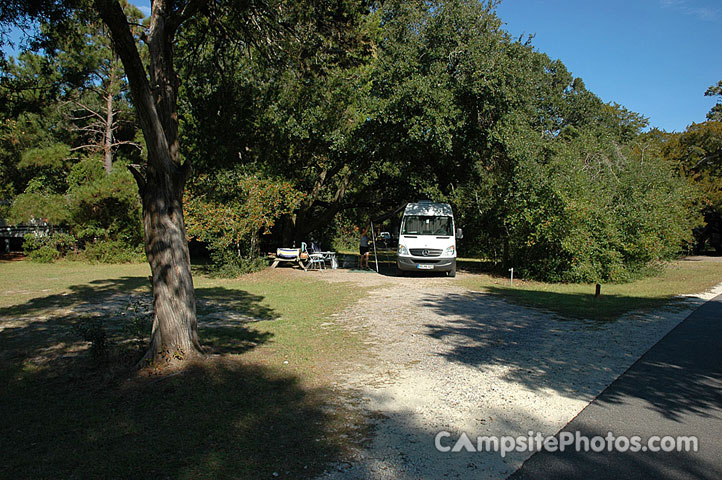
(292, 255)
(296, 255)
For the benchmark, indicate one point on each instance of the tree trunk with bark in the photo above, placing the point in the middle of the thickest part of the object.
(174, 334)
(108, 135)
(161, 183)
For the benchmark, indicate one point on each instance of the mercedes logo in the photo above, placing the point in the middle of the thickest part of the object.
(425, 253)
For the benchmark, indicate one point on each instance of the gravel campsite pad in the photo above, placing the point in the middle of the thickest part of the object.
(443, 358)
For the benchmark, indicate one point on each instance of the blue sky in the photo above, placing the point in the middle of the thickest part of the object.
(655, 57)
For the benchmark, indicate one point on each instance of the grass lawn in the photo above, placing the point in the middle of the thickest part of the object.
(262, 404)
(688, 276)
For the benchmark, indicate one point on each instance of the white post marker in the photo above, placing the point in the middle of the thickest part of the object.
(373, 239)
(512, 276)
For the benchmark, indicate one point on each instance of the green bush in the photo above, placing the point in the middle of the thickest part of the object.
(347, 235)
(579, 208)
(610, 217)
(113, 251)
(227, 264)
(48, 248)
(104, 207)
(44, 254)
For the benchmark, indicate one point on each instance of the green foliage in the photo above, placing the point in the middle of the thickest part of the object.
(53, 157)
(715, 113)
(228, 264)
(44, 254)
(105, 207)
(228, 211)
(48, 248)
(346, 236)
(698, 152)
(102, 211)
(113, 251)
(48, 207)
(54, 130)
(584, 209)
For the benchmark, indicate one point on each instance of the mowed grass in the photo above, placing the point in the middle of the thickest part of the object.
(260, 406)
(687, 276)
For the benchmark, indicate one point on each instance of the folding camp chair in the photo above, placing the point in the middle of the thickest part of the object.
(315, 258)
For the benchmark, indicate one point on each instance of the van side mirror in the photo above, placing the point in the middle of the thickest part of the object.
(459, 233)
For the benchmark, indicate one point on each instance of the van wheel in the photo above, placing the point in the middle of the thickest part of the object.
(451, 273)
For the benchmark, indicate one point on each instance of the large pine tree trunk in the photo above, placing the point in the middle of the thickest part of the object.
(161, 183)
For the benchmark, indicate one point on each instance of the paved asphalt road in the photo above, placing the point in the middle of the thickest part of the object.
(674, 389)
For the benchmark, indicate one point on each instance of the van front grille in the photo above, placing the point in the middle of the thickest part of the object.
(425, 252)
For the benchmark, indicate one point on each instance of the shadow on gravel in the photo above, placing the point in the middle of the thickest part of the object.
(485, 331)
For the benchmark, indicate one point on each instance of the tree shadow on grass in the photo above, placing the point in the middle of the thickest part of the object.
(95, 291)
(44, 326)
(216, 304)
(61, 416)
(583, 306)
(216, 419)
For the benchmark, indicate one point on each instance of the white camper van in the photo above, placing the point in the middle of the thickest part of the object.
(427, 239)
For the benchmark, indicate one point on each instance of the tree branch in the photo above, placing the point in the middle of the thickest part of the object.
(91, 112)
(187, 11)
(139, 178)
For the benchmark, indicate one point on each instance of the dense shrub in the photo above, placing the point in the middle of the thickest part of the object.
(347, 235)
(101, 211)
(44, 254)
(48, 248)
(113, 251)
(588, 215)
(227, 264)
(104, 206)
(229, 210)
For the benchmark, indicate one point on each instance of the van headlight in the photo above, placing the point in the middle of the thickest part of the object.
(403, 251)
(450, 251)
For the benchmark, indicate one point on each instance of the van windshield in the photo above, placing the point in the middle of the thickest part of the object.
(427, 225)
